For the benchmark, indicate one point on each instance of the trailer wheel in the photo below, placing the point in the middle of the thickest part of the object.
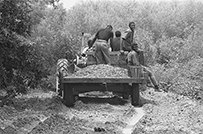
(57, 84)
(61, 71)
(126, 90)
(59, 88)
(68, 97)
(62, 94)
(135, 95)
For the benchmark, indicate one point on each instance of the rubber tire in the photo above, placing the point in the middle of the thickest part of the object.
(69, 98)
(57, 84)
(135, 97)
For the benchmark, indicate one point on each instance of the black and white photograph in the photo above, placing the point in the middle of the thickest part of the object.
(101, 66)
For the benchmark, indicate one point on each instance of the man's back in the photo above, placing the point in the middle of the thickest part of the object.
(104, 34)
(100, 45)
(115, 44)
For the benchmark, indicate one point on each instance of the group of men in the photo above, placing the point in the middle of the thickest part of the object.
(104, 39)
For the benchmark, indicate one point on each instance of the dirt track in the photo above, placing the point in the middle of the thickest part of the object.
(43, 113)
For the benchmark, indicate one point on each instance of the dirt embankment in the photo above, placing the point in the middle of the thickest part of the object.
(44, 113)
(170, 114)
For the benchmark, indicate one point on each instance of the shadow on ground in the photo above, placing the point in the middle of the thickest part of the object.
(116, 100)
(144, 101)
(112, 100)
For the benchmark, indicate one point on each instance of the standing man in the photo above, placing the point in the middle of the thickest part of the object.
(128, 39)
(116, 42)
(101, 46)
(132, 60)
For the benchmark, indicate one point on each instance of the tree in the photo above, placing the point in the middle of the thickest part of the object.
(19, 63)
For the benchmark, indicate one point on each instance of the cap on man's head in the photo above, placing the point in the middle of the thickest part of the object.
(109, 26)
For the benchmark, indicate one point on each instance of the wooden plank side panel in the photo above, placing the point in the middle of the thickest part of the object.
(102, 80)
(88, 87)
(135, 71)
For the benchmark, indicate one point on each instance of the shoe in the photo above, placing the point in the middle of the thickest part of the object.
(156, 87)
(149, 85)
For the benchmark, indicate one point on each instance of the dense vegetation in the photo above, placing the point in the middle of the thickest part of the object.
(34, 34)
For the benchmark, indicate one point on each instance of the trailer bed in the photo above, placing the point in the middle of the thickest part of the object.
(102, 80)
(71, 87)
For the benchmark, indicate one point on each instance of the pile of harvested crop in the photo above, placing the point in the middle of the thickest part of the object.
(101, 71)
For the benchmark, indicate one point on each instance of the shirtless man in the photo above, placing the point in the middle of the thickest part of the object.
(116, 42)
(132, 60)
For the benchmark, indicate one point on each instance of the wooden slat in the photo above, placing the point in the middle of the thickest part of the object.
(102, 80)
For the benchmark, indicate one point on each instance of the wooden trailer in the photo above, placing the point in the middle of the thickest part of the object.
(70, 87)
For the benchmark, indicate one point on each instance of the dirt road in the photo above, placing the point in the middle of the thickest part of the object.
(44, 113)
(170, 114)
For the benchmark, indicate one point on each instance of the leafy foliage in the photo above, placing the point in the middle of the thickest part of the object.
(169, 32)
(35, 34)
(19, 65)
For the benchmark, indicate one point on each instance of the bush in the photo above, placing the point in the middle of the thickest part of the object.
(20, 64)
(185, 79)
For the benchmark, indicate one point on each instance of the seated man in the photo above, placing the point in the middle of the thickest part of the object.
(129, 37)
(81, 61)
(132, 60)
(86, 49)
(116, 42)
